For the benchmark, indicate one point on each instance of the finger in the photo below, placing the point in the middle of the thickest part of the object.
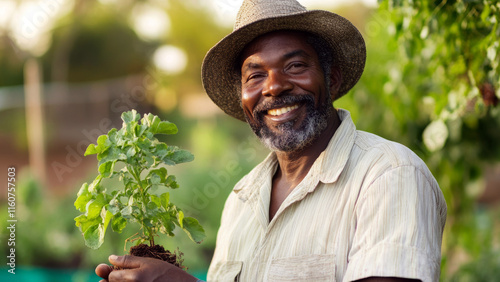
(126, 261)
(127, 275)
(103, 270)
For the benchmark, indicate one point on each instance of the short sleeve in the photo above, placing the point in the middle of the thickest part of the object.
(399, 220)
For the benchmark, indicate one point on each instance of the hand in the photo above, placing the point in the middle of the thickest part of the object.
(141, 269)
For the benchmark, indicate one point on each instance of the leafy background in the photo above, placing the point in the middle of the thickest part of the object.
(431, 82)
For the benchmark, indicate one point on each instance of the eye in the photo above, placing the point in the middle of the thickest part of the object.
(296, 67)
(254, 76)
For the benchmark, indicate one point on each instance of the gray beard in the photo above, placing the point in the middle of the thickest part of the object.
(288, 139)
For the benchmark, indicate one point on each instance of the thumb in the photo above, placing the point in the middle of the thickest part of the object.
(126, 261)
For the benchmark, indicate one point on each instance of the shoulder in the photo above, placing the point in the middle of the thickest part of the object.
(395, 154)
(383, 155)
(393, 169)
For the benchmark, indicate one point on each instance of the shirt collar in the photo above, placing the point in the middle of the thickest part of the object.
(327, 167)
(332, 161)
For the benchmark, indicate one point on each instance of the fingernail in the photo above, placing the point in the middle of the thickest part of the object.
(113, 257)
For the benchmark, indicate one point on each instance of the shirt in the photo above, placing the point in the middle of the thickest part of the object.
(367, 207)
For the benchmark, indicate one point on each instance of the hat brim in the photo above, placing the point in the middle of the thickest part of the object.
(218, 69)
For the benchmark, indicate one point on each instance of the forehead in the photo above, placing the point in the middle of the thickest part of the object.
(278, 43)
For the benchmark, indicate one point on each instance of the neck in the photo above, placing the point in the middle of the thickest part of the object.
(294, 166)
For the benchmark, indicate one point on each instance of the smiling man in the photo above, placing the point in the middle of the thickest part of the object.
(330, 203)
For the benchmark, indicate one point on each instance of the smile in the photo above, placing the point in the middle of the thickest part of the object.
(281, 111)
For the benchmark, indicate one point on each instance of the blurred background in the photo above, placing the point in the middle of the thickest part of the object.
(69, 68)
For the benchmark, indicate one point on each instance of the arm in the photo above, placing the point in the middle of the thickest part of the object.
(387, 279)
(399, 222)
(141, 269)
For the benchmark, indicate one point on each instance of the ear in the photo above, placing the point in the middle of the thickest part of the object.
(335, 82)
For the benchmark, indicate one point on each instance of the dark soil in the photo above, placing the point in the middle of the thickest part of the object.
(157, 252)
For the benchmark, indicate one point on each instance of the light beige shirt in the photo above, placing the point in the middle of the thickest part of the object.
(368, 207)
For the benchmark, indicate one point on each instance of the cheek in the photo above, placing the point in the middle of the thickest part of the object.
(249, 100)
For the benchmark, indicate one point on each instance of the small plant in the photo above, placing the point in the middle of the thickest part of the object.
(144, 198)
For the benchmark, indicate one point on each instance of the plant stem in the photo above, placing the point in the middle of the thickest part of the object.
(136, 174)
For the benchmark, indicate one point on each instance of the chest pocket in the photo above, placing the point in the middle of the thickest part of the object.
(303, 268)
(228, 271)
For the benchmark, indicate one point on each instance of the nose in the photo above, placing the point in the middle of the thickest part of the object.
(276, 84)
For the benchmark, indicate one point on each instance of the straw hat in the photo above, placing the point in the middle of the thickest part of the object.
(258, 17)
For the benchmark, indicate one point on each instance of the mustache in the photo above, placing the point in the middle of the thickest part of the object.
(279, 102)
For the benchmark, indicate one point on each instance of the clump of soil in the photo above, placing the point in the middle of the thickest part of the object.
(158, 252)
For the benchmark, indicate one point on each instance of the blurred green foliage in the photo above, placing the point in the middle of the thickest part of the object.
(432, 82)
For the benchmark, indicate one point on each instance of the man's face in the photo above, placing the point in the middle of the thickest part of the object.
(284, 93)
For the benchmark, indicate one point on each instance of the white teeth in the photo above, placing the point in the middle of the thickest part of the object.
(284, 110)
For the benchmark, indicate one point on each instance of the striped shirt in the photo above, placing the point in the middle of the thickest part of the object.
(367, 207)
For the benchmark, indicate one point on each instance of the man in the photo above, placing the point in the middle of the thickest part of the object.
(330, 203)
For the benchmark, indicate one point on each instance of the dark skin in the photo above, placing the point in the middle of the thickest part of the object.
(276, 65)
(279, 63)
(269, 70)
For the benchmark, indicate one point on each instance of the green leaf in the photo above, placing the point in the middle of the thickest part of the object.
(113, 154)
(102, 145)
(129, 130)
(94, 187)
(114, 206)
(159, 175)
(165, 127)
(152, 210)
(130, 212)
(167, 225)
(126, 211)
(180, 218)
(155, 179)
(155, 199)
(130, 116)
(106, 169)
(157, 126)
(80, 219)
(165, 200)
(131, 152)
(84, 189)
(113, 136)
(83, 198)
(106, 216)
(118, 223)
(93, 236)
(193, 229)
(178, 156)
(144, 144)
(149, 160)
(84, 223)
(171, 182)
(140, 129)
(94, 207)
(91, 150)
(161, 150)
(150, 120)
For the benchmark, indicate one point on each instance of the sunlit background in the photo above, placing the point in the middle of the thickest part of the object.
(69, 68)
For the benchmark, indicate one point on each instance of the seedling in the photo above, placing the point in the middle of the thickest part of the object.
(144, 196)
